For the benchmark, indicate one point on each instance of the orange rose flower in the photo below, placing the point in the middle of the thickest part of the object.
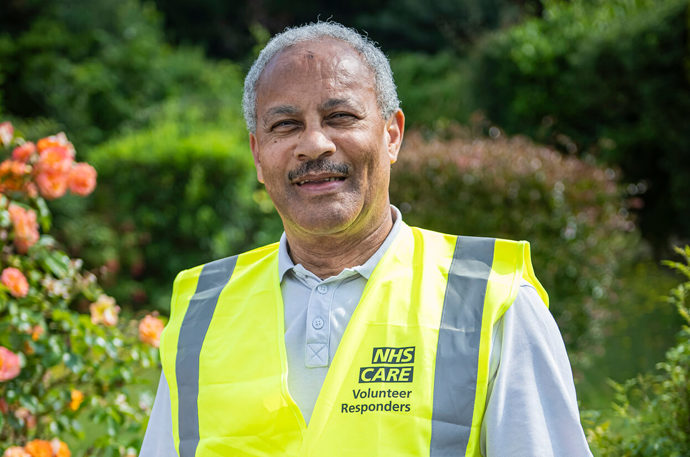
(15, 451)
(6, 133)
(55, 140)
(150, 329)
(104, 311)
(39, 448)
(13, 175)
(60, 448)
(52, 185)
(82, 179)
(9, 364)
(25, 227)
(76, 398)
(56, 159)
(52, 170)
(15, 280)
(24, 152)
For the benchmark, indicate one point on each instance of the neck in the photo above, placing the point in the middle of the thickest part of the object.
(328, 255)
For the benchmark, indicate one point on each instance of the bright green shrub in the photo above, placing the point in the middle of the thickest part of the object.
(434, 90)
(59, 366)
(608, 77)
(651, 414)
(571, 211)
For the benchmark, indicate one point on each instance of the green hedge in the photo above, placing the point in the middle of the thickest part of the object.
(435, 90)
(605, 76)
(573, 213)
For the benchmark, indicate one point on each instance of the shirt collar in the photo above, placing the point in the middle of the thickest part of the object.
(285, 263)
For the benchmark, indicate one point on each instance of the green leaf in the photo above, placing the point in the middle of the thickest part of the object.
(57, 263)
(72, 362)
(43, 214)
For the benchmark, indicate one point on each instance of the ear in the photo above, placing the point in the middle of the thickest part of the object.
(254, 145)
(395, 127)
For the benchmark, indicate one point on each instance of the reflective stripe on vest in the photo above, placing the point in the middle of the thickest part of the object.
(409, 376)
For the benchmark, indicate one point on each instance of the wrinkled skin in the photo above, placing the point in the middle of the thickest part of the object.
(323, 150)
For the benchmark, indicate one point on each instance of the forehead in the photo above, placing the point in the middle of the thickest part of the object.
(314, 68)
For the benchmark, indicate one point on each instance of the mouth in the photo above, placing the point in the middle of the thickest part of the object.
(320, 174)
(317, 180)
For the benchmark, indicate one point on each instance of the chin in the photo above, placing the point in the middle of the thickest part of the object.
(323, 221)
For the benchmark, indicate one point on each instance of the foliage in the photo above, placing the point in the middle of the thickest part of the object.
(651, 414)
(57, 362)
(222, 28)
(607, 77)
(572, 211)
(91, 69)
(441, 25)
(638, 335)
(434, 90)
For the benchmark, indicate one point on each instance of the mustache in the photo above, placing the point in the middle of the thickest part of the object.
(318, 165)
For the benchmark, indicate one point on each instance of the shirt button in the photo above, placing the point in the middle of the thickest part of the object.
(322, 289)
(317, 323)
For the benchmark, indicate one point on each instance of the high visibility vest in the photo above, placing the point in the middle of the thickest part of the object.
(409, 377)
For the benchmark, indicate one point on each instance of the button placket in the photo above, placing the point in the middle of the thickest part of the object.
(318, 326)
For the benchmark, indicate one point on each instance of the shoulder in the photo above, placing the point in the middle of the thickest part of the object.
(530, 311)
(227, 262)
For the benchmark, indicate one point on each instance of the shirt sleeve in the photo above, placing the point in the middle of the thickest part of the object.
(531, 405)
(158, 440)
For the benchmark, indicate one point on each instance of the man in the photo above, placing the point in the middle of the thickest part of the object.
(356, 335)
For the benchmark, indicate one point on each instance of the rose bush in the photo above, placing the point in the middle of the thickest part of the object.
(64, 350)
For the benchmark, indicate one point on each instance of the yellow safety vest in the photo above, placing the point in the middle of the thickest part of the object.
(409, 377)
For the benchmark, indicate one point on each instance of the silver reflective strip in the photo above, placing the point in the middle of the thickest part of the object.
(213, 278)
(457, 354)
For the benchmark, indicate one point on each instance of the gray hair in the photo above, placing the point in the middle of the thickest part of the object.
(372, 56)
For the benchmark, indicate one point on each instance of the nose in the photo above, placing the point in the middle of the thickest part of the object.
(314, 143)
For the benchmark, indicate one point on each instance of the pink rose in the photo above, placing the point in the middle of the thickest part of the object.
(52, 185)
(15, 280)
(24, 152)
(15, 451)
(82, 179)
(9, 364)
(25, 227)
(150, 329)
(55, 140)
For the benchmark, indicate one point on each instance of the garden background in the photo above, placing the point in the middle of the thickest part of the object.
(563, 123)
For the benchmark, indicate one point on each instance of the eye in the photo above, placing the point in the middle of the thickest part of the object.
(284, 125)
(342, 117)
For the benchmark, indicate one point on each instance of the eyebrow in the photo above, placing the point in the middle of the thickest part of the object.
(335, 102)
(281, 109)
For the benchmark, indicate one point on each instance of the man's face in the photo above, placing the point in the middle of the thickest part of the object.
(321, 146)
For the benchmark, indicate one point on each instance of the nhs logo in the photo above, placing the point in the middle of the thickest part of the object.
(389, 364)
(393, 355)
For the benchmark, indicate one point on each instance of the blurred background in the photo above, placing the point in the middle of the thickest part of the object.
(565, 123)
